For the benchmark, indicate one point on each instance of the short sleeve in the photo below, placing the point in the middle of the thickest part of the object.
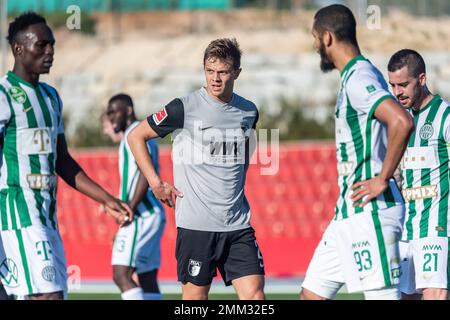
(446, 129)
(256, 120)
(168, 119)
(57, 105)
(5, 111)
(60, 118)
(365, 91)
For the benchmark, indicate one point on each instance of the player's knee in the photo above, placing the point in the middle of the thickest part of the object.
(194, 296)
(435, 294)
(122, 280)
(383, 294)
(254, 295)
(305, 294)
(193, 292)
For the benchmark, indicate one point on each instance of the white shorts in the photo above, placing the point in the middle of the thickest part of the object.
(32, 261)
(424, 264)
(138, 244)
(360, 252)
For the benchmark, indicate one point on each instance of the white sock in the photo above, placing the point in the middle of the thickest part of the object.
(152, 296)
(133, 294)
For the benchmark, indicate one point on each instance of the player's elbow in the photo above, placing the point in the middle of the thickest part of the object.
(405, 124)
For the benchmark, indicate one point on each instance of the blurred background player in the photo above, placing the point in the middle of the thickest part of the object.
(360, 245)
(425, 172)
(34, 151)
(211, 129)
(137, 245)
(108, 129)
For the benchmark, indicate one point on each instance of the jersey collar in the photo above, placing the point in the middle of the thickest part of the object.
(216, 102)
(19, 79)
(432, 102)
(351, 63)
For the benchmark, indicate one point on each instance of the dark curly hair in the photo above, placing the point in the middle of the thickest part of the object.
(21, 23)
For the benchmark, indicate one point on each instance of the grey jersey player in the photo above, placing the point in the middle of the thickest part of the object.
(211, 130)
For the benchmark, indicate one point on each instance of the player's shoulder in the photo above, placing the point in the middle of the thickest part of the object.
(191, 98)
(128, 130)
(48, 88)
(244, 104)
(365, 79)
(364, 71)
(4, 84)
(445, 103)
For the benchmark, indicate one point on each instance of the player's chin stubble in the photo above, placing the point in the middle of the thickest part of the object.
(325, 64)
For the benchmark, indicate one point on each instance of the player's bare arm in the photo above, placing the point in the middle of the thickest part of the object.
(71, 172)
(399, 126)
(140, 192)
(137, 138)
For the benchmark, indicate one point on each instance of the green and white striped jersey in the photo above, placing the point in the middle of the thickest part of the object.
(361, 140)
(129, 174)
(425, 172)
(30, 122)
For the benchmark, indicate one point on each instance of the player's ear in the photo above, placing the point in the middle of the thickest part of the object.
(237, 72)
(129, 110)
(423, 79)
(17, 49)
(327, 38)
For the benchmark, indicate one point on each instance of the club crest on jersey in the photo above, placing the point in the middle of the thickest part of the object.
(194, 267)
(49, 273)
(17, 94)
(159, 116)
(426, 132)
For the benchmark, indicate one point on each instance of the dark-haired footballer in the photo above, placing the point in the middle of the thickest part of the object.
(360, 245)
(425, 181)
(35, 151)
(137, 246)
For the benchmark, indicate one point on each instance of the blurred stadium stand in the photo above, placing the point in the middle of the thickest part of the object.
(290, 211)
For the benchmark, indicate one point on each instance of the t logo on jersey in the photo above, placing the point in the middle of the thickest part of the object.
(43, 248)
(41, 138)
(159, 116)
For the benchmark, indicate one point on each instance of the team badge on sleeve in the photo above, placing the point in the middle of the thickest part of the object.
(159, 116)
(371, 88)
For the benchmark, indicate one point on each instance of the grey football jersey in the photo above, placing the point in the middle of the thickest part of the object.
(210, 157)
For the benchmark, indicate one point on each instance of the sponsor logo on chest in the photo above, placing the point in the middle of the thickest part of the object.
(35, 141)
(417, 193)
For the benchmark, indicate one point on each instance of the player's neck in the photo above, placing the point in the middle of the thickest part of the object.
(426, 97)
(130, 121)
(31, 78)
(344, 55)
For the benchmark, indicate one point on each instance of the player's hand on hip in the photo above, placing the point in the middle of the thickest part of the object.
(119, 210)
(364, 191)
(167, 193)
